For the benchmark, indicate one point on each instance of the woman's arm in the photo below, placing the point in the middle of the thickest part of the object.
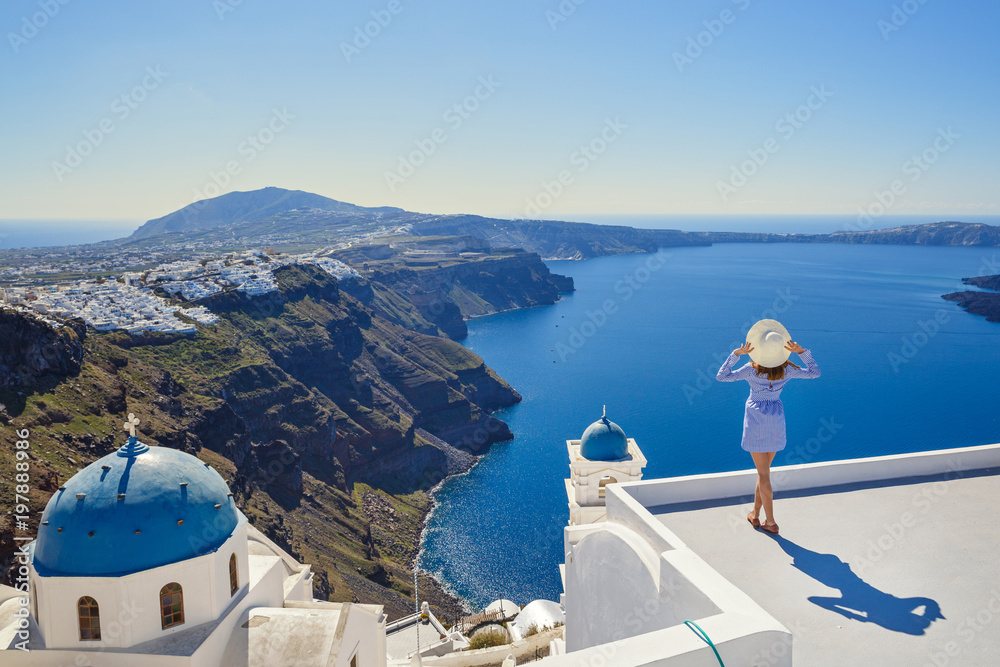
(811, 371)
(726, 373)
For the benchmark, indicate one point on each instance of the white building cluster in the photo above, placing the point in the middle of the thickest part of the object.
(251, 272)
(254, 279)
(128, 303)
(334, 267)
(115, 305)
(192, 290)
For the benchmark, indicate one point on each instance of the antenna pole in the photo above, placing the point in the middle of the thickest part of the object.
(416, 602)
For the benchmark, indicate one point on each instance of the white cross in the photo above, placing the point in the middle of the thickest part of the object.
(131, 424)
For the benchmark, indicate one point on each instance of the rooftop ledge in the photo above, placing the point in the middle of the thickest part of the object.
(814, 476)
(892, 558)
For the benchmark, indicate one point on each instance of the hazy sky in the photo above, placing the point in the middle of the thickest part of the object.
(714, 106)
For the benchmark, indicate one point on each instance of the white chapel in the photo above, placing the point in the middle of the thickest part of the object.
(142, 558)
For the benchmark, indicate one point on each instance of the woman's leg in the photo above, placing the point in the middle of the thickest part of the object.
(757, 500)
(764, 494)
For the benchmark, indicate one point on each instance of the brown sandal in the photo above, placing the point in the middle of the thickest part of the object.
(753, 522)
(773, 528)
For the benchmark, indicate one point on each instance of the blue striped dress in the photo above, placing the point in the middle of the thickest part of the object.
(764, 419)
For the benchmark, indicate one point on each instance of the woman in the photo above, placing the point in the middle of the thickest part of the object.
(769, 347)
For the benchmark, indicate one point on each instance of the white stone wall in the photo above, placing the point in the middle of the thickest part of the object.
(266, 592)
(586, 487)
(618, 586)
(130, 605)
(364, 637)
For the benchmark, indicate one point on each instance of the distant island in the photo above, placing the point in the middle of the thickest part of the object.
(577, 240)
(236, 207)
(281, 216)
(293, 219)
(980, 303)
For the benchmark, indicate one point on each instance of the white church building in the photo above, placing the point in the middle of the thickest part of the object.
(142, 558)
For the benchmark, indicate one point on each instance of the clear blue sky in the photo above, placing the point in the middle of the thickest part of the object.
(559, 84)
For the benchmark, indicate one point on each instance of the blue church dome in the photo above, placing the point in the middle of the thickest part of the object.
(135, 509)
(604, 440)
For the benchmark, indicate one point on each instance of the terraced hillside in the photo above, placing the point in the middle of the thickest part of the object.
(330, 421)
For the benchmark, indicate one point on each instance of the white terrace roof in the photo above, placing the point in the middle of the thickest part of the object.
(882, 561)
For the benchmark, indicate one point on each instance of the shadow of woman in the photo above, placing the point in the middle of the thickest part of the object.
(859, 600)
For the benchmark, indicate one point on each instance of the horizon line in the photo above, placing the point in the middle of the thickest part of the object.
(569, 217)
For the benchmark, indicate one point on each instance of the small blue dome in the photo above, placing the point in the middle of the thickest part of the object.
(135, 509)
(604, 440)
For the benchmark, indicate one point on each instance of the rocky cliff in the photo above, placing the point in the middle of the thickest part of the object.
(980, 303)
(31, 350)
(556, 239)
(986, 282)
(935, 233)
(436, 293)
(320, 412)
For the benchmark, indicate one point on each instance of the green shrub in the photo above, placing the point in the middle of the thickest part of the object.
(487, 640)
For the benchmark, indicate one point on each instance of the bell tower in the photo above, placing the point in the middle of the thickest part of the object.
(602, 456)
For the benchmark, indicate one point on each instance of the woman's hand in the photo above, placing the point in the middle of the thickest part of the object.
(746, 349)
(792, 346)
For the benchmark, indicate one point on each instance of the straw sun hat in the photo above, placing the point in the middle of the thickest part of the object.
(768, 339)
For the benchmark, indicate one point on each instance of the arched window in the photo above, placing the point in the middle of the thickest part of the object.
(234, 576)
(601, 491)
(171, 605)
(90, 619)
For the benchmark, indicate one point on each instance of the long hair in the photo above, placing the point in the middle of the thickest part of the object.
(773, 374)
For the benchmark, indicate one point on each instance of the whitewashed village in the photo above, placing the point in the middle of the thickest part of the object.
(128, 302)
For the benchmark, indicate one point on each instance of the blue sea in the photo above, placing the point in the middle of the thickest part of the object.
(775, 224)
(45, 233)
(903, 371)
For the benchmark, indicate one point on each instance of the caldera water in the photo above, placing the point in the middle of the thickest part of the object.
(902, 371)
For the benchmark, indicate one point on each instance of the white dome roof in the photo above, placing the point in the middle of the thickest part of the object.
(540, 613)
(509, 609)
